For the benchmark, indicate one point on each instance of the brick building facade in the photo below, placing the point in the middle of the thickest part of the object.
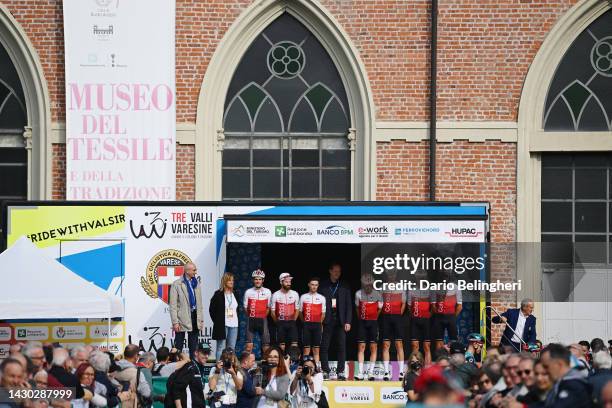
(493, 58)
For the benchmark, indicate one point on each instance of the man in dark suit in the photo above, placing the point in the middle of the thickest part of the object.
(337, 318)
(521, 325)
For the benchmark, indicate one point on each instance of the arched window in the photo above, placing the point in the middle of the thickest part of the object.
(13, 119)
(580, 94)
(286, 121)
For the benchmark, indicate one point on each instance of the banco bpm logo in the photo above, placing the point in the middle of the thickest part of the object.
(162, 270)
(280, 231)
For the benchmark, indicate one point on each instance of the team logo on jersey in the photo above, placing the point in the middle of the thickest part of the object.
(162, 270)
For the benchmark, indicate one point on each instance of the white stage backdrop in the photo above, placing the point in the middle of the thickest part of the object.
(120, 99)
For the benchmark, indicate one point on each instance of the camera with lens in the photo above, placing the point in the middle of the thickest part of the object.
(215, 396)
(227, 364)
(305, 371)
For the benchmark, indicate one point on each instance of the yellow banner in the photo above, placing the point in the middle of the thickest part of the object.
(46, 226)
(68, 334)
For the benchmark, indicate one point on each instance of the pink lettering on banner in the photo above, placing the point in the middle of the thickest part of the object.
(119, 97)
(120, 149)
(145, 193)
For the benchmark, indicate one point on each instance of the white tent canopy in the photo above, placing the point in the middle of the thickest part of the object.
(38, 287)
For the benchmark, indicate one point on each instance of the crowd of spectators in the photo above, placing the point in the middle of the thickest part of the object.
(578, 375)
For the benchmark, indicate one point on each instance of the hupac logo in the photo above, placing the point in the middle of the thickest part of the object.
(463, 232)
(156, 226)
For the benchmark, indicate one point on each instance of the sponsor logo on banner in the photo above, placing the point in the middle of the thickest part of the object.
(114, 347)
(4, 351)
(416, 230)
(5, 333)
(100, 331)
(185, 224)
(463, 233)
(155, 225)
(162, 270)
(393, 395)
(354, 395)
(69, 332)
(373, 232)
(256, 231)
(280, 231)
(32, 333)
(335, 230)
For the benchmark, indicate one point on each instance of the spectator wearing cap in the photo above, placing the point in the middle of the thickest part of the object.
(186, 309)
(474, 348)
(223, 311)
(520, 326)
(570, 388)
(435, 388)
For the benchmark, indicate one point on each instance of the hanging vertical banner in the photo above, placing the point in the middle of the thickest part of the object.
(120, 99)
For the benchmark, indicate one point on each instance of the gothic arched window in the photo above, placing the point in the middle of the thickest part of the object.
(580, 94)
(286, 121)
(13, 119)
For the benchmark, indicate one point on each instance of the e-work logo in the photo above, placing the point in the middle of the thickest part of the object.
(157, 226)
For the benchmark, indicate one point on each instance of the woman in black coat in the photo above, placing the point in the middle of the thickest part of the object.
(223, 311)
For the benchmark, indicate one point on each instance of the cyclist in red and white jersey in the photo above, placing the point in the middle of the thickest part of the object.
(394, 305)
(369, 303)
(312, 313)
(446, 308)
(419, 309)
(285, 312)
(256, 302)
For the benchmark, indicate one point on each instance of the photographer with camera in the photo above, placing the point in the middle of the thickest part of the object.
(307, 384)
(225, 380)
(272, 381)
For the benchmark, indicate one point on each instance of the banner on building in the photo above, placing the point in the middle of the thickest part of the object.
(136, 251)
(120, 99)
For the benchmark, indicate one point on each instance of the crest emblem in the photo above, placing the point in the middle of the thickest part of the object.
(162, 270)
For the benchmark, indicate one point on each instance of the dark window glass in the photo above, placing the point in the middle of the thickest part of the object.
(556, 160)
(266, 183)
(590, 217)
(556, 183)
(556, 248)
(591, 183)
(236, 158)
(556, 217)
(305, 183)
(580, 94)
(236, 183)
(286, 88)
(590, 249)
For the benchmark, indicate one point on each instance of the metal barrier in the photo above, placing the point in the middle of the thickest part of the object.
(484, 316)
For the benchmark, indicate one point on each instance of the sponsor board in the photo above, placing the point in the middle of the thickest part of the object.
(69, 332)
(393, 395)
(99, 331)
(114, 346)
(354, 395)
(31, 332)
(4, 351)
(6, 333)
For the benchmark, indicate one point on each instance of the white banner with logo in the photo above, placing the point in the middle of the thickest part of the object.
(356, 231)
(120, 99)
